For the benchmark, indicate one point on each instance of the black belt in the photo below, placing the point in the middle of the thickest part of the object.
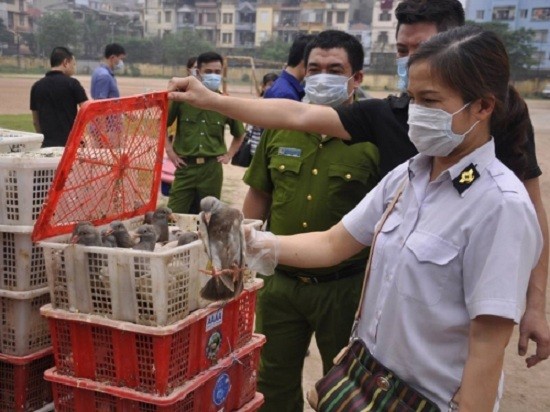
(197, 160)
(345, 272)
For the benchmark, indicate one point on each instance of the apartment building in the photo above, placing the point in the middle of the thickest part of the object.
(528, 14)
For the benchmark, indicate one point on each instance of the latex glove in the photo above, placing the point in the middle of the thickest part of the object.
(262, 251)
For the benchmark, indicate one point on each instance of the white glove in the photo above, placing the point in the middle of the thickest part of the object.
(262, 251)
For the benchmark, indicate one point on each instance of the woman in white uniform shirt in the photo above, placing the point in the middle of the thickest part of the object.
(451, 263)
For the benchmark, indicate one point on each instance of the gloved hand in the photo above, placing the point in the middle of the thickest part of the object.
(262, 250)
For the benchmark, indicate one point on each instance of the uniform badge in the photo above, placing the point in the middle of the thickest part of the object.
(464, 180)
(289, 151)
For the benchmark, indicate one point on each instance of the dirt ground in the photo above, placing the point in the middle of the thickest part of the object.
(525, 389)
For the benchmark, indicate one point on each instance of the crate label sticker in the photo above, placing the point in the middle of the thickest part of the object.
(213, 320)
(213, 346)
(221, 389)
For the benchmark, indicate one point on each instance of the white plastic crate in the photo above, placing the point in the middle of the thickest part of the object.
(25, 179)
(148, 288)
(22, 265)
(19, 141)
(22, 329)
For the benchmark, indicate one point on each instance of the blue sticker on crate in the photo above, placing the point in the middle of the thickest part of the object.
(213, 320)
(221, 389)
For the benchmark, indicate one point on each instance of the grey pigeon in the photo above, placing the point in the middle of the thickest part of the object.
(161, 216)
(122, 237)
(186, 237)
(79, 224)
(87, 235)
(147, 238)
(148, 218)
(220, 228)
(108, 238)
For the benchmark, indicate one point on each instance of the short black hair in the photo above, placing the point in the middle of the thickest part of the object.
(446, 14)
(113, 49)
(332, 39)
(298, 48)
(208, 57)
(269, 77)
(59, 55)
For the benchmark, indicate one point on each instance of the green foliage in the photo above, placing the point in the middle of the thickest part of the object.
(5, 35)
(58, 29)
(274, 50)
(17, 122)
(519, 45)
(180, 46)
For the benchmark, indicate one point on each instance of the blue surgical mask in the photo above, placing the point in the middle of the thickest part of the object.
(119, 66)
(327, 89)
(212, 81)
(402, 73)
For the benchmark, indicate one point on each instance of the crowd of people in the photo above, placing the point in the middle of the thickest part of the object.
(461, 257)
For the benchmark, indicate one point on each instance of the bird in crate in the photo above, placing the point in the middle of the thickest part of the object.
(84, 233)
(147, 238)
(160, 219)
(220, 229)
(121, 234)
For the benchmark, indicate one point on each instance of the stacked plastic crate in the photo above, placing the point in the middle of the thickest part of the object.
(128, 329)
(26, 174)
(130, 333)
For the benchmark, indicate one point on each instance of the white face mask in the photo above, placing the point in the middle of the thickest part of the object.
(212, 81)
(119, 66)
(430, 130)
(327, 89)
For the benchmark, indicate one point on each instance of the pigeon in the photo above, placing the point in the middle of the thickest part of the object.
(86, 234)
(186, 237)
(108, 238)
(79, 224)
(160, 222)
(122, 237)
(220, 228)
(147, 238)
(148, 218)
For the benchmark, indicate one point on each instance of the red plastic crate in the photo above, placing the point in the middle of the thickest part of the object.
(22, 385)
(149, 359)
(254, 405)
(228, 386)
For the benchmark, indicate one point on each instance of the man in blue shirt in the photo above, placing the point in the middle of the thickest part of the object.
(104, 85)
(288, 86)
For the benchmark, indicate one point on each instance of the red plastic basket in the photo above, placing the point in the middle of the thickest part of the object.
(111, 165)
(254, 405)
(228, 386)
(149, 359)
(22, 385)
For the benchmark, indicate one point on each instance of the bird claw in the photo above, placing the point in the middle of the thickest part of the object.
(234, 272)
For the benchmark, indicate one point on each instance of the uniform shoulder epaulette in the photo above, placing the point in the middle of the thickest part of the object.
(504, 178)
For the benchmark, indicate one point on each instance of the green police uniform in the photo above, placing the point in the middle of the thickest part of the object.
(313, 182)
(199, 140)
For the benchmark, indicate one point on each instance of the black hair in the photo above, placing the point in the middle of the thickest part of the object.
(446, 14)
(59, 55)
(113, 49)
(269, 77)
(474, 62)
(331, 39)
(297, 50)
(208, 57)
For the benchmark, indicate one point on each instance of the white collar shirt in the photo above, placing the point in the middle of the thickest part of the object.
(441, 259)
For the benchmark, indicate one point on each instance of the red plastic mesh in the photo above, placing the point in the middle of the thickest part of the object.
(111, 165)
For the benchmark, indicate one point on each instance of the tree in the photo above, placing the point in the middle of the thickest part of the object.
(5, 35)
(519, 45)
(180, 46)
(274, 50)
(58, 29)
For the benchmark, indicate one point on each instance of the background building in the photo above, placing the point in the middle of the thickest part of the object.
(527, 14)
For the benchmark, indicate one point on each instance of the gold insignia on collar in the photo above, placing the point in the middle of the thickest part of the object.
(467, 176)
(464, 180)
